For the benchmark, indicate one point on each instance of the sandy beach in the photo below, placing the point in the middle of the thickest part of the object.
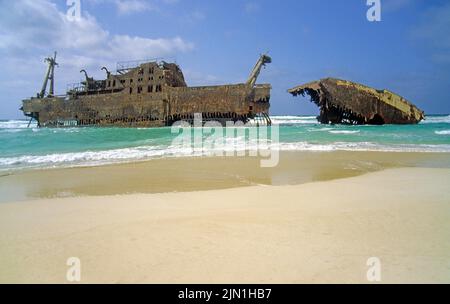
(315, 231)
(204, 173)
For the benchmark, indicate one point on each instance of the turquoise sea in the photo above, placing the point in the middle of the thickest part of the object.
(33, 147)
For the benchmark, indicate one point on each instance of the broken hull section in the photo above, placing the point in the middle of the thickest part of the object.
(346, 102)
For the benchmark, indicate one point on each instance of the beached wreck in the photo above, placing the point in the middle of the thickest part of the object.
(148, 93)
(346, 102)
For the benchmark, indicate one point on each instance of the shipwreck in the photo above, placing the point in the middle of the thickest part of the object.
(346, 102)
(147, 93)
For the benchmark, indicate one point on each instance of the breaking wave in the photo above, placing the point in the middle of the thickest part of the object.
(445, 132)
(93, 158)
(343, 132)
(436, 119)
(15, 124)
(293, 120)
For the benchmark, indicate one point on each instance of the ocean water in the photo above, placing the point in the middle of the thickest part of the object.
(33, 147)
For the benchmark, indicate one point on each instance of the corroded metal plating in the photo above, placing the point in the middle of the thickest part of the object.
(342, 101)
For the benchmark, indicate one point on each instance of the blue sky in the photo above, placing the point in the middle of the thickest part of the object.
(218, 42)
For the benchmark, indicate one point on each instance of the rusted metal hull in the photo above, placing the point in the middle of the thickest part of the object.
(227, 102)
(346, 102)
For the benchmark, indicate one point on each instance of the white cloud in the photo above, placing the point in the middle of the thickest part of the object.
(128, 7)
(138, 47)
(30, 28)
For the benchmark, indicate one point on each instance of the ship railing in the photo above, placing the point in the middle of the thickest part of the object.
(125, 66)
(76, 87)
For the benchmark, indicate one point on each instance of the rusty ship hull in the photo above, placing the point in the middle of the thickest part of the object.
(346, 102)
(151, 94)
(230, 102)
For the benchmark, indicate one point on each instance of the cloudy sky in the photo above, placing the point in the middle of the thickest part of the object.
(218, 41)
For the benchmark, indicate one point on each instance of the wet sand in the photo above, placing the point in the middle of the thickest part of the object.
(319, 232)
(198, 174)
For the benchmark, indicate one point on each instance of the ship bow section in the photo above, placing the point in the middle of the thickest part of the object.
(342, 101)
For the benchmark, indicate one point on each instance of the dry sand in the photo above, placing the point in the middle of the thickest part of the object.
(321, 232)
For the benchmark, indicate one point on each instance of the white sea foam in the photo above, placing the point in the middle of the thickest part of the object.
(436, 119)
(363, 146)
(293, 117)
(84, 157)
(344, 131)
(320, 129)
(91, 158)
(444, 132)
(15, 124)
(292, 120)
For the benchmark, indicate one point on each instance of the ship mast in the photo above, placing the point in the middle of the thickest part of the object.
(257, 69)
(50, 75)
